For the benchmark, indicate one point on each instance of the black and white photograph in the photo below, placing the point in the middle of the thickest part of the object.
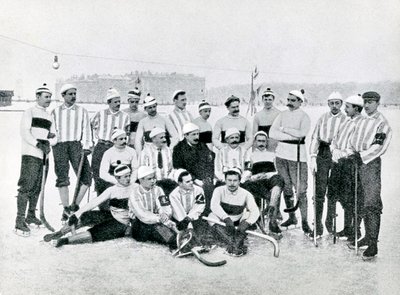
(199, 147)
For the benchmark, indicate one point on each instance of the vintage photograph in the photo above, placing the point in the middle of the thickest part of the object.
(199, 147)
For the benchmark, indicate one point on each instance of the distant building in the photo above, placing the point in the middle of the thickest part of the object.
(5, 97)
(93, 88)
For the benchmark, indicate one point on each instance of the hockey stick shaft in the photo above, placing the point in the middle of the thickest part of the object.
(78, 177)
(355, 209)
(250, 232)
(315, 207)
(296, 206)
(42, 188)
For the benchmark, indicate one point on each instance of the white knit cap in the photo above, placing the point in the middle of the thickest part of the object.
(235, 169)
(43, 88)
(189, 127)
(268, 91)
(356, 100)
(177, 173)
(180, 91)
(260, 133)
(112, 93)
(66, 87)
(335, 95)
(231, 131)
(298, 94)
(204, 106)
(135, 93)
(149, 101)
(116, 133)
(121, 170)
(144, 171)
(155, 131)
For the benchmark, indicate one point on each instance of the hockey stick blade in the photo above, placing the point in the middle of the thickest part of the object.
(46, 224)
(206, 262)
(292, 209)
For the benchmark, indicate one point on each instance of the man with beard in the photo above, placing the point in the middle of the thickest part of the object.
(234, 206)
(152, 120)
(326, 129)
(151, 211)
(196, 158)
(103, 124)
(74, 136)
(37, 133)
(180, 116)
(264, 118)
(369, 142)
(233, 119)
(290, 129)
(205, 128)
(134, 114)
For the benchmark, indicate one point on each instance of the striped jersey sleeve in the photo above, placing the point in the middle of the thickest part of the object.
(326, 129)
(342, 139)
(178, 119)
(229, 158)
(371, 137)
(104, 122)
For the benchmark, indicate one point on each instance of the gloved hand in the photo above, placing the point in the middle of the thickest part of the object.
(73, 220)
(44, 145)
(230, 227)
(74, 207)
(243, 226)
(313, 164)
(87, 152)
(356, 158)
(198, 182)
(184, 223)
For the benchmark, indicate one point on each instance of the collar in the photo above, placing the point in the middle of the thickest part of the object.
(337, 115)
(113, 113)
(73, 107)
(374, 115)
(185, 192)
(179, 110)
(231, 193)
(232, 117)
(39, 107)
(143, 190)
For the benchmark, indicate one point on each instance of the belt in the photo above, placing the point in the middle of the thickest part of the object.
(295, 141)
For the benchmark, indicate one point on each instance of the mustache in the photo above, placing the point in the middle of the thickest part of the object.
(289, 105)
(236, 111)
(195, 140)
(234, 142)
(262, 146)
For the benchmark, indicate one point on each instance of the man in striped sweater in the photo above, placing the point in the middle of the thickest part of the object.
(103, 124)
(342, 181)
(134, 114)
(325, 130)
(369, 142)
(74, 140)
(180, 116)
(37, 133)
(205, 129)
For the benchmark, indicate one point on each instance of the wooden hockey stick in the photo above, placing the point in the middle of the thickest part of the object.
(42, 188)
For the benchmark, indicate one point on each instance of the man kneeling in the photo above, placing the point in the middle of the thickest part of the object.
(236, 207)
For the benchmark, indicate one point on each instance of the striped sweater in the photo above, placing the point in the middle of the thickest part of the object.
(104, 122)
(179, 118)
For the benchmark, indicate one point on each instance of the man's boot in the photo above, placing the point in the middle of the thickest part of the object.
(374, 222)
(304, 214)
(31, 216)
(21, 227)
(273, 224)
(292, 220)
(79, 238)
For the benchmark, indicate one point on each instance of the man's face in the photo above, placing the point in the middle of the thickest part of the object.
(120, 141)
(261, 142)
(293, 102)
(192, 137)
(370, 106)
(69, 97)
(335, 105)
(148, 182)
(232, 182)
(350, 110)
(187, 183)
(43, 99)
(159, 140)
(124, 180)
(205, 114)
(133, 103)
(233, 109)
(268, 101)
(233, 140)
(151, 110)
(181, 101)
(114, 104)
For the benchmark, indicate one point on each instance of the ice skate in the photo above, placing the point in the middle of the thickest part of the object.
(362, 244)
(32, 220)
(371, 252)
(291, 221)
(21, 229)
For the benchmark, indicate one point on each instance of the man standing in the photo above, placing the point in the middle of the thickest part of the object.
(370, 141)
(196, 158)
(205, 134)
(103, 124)
(37, 133)
(151, 211)
(263, 119)
(321, 158)
(233, 119)
(134, 114)
(290, 129)
(180, 116)
(74, 141)
(228, 204)
(152, 120)
(342, 180)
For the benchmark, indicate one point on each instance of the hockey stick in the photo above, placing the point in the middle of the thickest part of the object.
(288, 210)
(78, 178)
(315, 208)
(41, 205)
(204, 261)
(253, 233)
(355, 209)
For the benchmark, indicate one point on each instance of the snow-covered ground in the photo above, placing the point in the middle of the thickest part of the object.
(30, 266)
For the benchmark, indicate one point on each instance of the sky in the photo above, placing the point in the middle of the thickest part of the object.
(289, 41)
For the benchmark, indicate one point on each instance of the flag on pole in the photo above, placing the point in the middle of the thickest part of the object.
(255, 73)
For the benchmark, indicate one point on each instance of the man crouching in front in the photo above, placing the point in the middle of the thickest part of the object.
(235, 207)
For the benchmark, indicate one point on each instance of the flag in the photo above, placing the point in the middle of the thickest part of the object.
(255, 73)
(137, 81)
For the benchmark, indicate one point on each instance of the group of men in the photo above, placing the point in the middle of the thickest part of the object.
(175, 169)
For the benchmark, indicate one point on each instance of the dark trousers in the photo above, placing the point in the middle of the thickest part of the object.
(29, 183)
(158, 232)
(324, 163)
(100, 185)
